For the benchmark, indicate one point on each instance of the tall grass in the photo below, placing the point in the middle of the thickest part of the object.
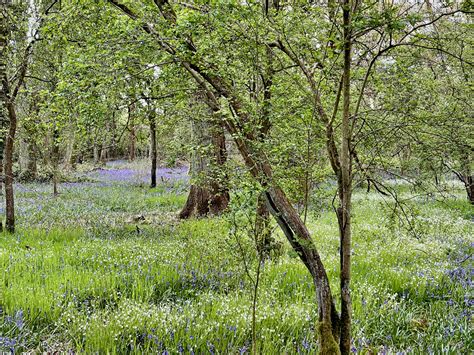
(84, 274)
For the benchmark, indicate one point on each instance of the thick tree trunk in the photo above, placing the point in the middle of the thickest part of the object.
(207, 196)
(153, 151)
(301, 241)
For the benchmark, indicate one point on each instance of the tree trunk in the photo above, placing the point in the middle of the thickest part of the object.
(104, 152)
(262, 227)
(279, 206)
(113, 130)
(467, 177)
(27, 159)
(55, 160)
(300, 239)
(68, 154)
(132, 135)
(207, 196)
(8, 168)
(469, 183)
(96, 152)
(153, 152)
(3, 90)
(345, 190)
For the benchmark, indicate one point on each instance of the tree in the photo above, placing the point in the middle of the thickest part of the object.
(4, 32)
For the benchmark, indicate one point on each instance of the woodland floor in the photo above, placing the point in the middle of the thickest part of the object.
(107, 267)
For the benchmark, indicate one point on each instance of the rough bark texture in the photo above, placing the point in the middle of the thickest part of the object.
(153, 151)
(209, 196)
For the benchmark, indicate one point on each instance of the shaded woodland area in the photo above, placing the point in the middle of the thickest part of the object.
(225, 176)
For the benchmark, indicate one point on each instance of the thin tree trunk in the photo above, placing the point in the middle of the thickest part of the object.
(263, 214)
(32, 164)
(344, 211)
(113, 130)
(467, 178)
(8, 168)
(23, 157)
(132, 135)
(3, 90)
(104, 152)
(262, 227)
(68, 154)
(55, 160)
(96, 152)
(27, 154)
(469, 184)
(153, 151)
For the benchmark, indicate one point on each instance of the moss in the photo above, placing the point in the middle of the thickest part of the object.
(328, 344)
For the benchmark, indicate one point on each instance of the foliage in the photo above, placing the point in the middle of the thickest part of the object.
(78, 276)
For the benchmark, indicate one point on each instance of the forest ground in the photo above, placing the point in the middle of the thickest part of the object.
(107, 267)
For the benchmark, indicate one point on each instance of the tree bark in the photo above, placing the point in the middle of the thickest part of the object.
(132, 135)
(8, 169)
(262, 227)
(345, 189)
(3, 87)
(104, 152)
(208, 196)
(96, 152)
(55, 160)
(469, 184)
(467, 178)
(153, 151)
(29, 168)
(68, 154)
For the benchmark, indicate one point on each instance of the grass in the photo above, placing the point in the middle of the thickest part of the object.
(80, 274)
